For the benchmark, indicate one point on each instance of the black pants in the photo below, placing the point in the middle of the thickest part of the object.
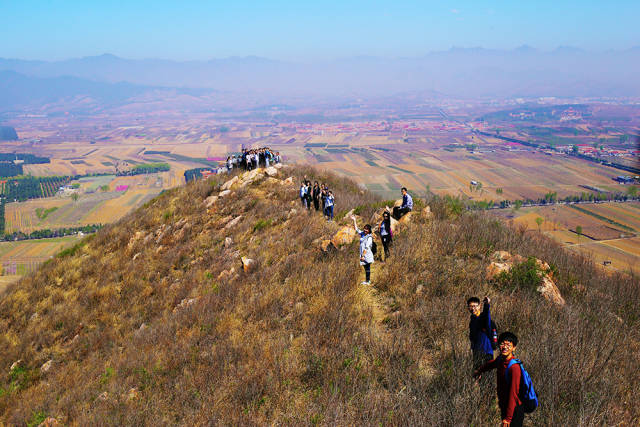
(386, 242)
(316, 203)
(367, 271)
(400, 212)
(308, 202)
(518, 416)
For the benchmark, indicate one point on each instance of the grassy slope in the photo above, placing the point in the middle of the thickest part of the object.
(297, 341)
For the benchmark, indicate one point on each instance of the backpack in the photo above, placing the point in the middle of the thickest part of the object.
(527, 394)
(493, 337)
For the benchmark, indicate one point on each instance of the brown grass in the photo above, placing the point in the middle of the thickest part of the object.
(297, 341)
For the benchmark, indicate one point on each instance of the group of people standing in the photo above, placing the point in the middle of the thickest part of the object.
(253, 158)
(317, 195)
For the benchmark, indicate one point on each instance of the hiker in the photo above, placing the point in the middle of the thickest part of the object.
(509, 375)
(386, 235)
(303, 194)
(366, 249)
(407, 205)
(229, 164)
(324, 192)
(316, 195)
(329, 203)
(249, 161)
(480, 331)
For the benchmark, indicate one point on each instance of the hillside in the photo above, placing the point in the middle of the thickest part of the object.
(153, 320)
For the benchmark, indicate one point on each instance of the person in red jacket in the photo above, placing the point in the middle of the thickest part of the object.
(511, 408)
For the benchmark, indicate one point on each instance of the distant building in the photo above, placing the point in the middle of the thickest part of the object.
(624, 179)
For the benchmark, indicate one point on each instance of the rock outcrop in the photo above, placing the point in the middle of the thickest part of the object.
(344, 236)
(503, 261)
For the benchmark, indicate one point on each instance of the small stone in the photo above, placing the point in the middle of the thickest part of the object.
(227, 185)
(46, 367)
(271, 171)
(224, 193)
(209, 201)
(228, 241)
(15, 365)
(550, 291)
(419, 290)
(248, 264)
(233, 222)
(288, 181)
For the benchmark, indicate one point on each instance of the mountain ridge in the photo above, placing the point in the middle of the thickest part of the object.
(162, 319)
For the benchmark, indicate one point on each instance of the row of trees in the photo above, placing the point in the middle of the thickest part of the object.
(29, 187)
(145, 168)
(47, 233)
(552, 198)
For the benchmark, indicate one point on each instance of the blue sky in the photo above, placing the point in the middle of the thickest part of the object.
(306, 30)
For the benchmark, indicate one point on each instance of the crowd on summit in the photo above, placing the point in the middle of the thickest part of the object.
(253, 158)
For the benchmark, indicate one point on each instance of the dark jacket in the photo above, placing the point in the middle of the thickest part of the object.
(480, 330)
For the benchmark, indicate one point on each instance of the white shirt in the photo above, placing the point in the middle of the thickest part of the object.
(366, 241)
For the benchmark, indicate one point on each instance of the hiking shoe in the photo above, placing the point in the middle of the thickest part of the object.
(366, 283)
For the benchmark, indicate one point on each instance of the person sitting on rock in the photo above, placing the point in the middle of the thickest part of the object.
(407, 205)
(386, 236)
(366, 251)
(329, 203)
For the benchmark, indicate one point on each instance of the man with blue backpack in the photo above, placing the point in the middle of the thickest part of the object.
(516, 395)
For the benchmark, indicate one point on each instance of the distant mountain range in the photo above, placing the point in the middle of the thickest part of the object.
(458, 72)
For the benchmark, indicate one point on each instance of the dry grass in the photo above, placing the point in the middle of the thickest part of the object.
(296, 341)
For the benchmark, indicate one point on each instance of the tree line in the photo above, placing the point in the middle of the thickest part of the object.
(48, 233)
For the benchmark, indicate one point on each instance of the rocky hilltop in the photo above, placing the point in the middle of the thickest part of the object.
(225, 302)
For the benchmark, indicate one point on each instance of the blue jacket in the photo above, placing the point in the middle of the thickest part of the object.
(407, 201)
(479, 331)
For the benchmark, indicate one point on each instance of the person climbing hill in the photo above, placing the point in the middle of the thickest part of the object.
(480, 331)
(386, 235)
(366, 251)
(510, 374)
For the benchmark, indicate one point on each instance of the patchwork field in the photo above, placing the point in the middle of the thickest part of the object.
(610, 231)
(22, 257)
(90, 208)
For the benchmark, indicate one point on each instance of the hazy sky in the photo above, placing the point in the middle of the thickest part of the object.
(305, 30)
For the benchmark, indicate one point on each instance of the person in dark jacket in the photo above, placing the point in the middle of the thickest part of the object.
(386, 235)
(511, 409)
(316, 195)
(480, 331)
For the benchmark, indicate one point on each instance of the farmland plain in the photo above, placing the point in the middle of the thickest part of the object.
(442, 151)
(604, 231)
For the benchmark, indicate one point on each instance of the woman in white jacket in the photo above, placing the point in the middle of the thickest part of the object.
(366, 252)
